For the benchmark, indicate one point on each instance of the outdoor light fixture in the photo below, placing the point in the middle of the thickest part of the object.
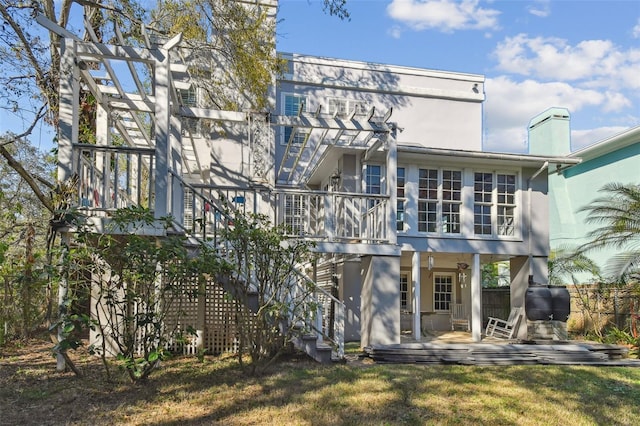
(462, 276)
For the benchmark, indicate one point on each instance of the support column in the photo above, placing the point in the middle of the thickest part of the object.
(162, 125)
(175, 153)
(415, 287)
(476, 299)
(392, 185)
(68, 109)
(63, 294)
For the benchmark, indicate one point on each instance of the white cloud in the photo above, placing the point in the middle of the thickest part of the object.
(443, 15)
(589, 64)
(510, 105)
(583, 138)
(540, 8)
(635, 31)
(395, 31)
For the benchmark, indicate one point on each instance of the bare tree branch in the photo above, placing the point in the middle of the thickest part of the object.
(31, 181)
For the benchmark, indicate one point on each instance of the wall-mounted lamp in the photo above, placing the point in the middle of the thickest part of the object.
(335, 180)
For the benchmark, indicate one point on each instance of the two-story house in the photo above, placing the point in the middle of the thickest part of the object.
(381, 166)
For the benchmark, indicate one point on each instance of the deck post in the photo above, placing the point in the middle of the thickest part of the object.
(415, 286)
(392, 188)
(476, 299)
(162, 120)
(68, 108)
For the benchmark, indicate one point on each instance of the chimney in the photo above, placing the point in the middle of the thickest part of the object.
(550, 133)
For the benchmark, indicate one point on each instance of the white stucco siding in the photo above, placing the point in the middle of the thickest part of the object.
(440, 123)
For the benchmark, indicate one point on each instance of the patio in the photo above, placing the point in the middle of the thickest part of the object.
(457, 347)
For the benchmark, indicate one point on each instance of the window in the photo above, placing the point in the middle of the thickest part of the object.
(190, 125)
(401, 200)
(482, 191)
(451, 201)
(373, 182)
(494, 191)
(344, 107)
(439, 200)
(292, 104)
(506, 204)
(442, 292)
(404, 292)
(295, 208)
(427, 200)
(337, 106)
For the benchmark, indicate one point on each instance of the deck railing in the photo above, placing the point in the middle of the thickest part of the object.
(333, 216)
(113, 177)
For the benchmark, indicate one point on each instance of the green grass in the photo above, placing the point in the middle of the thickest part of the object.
(299, 392)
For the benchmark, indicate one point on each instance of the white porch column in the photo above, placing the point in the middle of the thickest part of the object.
(177, 190)
(476, 299)
(162, 125)
(392, 187)
(68, 109)
(415, 289)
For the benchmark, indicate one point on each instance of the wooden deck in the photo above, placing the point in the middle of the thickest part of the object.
(457, 348)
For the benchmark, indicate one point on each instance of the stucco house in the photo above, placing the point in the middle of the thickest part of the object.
(614, 159)
(381, 166)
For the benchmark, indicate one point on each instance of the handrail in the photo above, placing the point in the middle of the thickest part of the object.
(338, 338)
(107, 148)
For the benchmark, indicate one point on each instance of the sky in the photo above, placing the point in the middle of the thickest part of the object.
(580, 55)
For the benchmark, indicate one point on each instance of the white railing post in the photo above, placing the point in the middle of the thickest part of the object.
(330, 216)
(319, 315)
(339, 328)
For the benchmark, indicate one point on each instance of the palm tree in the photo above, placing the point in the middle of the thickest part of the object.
(618, 215)
(566, 264)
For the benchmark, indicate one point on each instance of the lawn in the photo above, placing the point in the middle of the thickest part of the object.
(300, 392)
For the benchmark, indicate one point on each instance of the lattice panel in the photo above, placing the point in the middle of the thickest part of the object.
(221, 333)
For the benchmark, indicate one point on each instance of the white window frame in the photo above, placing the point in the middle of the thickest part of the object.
(497, 202)
(401, 193)
(346, 106)
(367, 187)
(404, 290)
(191, 126)
(438, 226)
(452, 293)
(301, 134)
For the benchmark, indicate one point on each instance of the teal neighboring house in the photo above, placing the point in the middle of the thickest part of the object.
(615, 159)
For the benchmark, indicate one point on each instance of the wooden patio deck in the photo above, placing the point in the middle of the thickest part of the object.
(458, 348)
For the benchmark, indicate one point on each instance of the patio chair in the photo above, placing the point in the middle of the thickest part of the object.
(505, 329)
(459, 317)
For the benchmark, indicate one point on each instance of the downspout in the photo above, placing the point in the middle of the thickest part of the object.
(535, 175)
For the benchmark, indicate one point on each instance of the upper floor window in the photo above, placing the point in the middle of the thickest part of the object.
(506, 204)
(342, 108)
(494, 208)
(401, 200)
(191, 126)
(292, 105)
(373, 182)
(439, 200)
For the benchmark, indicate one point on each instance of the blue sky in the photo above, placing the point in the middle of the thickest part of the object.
(581, 55)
